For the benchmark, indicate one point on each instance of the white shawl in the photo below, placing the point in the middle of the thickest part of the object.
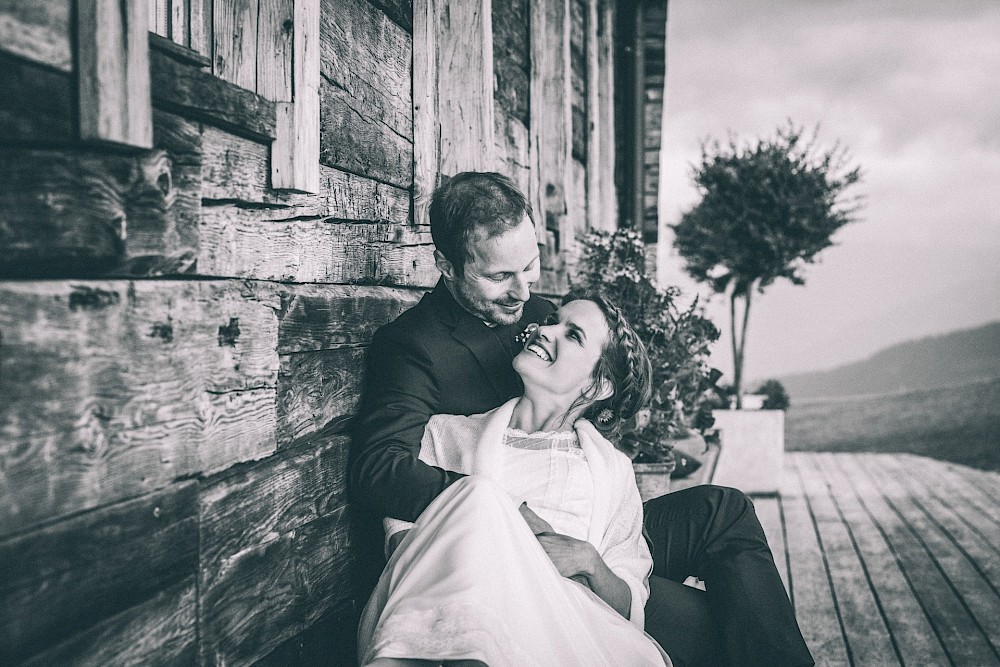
(474, 445)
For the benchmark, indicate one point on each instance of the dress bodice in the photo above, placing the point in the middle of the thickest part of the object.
(550, 471)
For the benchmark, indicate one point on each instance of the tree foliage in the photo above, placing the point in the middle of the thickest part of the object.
(767, 209)
(677, 340)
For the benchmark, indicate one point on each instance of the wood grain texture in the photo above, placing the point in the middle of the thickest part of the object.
(275, 33)
(235, 170)
(86, 213)
(161, 630)
(189, 91)
(262, 245)
(453, 102)
(352, 142)
(295, 151)
(606, 217)
(69, 576)
(36, 104)
(317, 388)
(512, 59)
(113, 389)
(320, 317)
(112, 56)
(38, 31)
(579, 76)
(271, 592)
(551, 117)
(368, 56)
(399, 12)
(235, 37)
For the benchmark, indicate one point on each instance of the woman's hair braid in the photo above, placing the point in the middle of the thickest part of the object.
(623, 363)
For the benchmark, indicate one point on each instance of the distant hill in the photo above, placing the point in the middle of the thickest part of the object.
(956, 358)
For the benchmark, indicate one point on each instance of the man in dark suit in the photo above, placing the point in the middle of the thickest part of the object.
(452, 353)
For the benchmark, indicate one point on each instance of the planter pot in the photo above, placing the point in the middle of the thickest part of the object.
(653, 479)
(752, 448)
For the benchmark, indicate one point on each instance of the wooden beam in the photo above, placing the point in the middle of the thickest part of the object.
(551, 123)
(38, 31)
(608, 206)
(234, 25)
(594, 127)
(453, 120)
(113, 74)
(296, 149)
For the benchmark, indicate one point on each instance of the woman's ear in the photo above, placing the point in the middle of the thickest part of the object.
(604, 389)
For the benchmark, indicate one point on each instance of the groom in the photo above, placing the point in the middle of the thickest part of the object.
(452, 353)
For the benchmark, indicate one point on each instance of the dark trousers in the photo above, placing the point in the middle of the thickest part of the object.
(744, 617)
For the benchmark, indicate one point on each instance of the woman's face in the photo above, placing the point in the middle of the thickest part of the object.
(560, 357)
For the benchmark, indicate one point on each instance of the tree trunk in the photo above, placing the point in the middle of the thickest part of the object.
(737, 362)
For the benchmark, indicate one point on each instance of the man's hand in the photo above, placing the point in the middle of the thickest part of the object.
(535, 522)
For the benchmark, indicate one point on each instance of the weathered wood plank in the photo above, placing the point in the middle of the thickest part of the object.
(330, 641)
(551, 118)
(264, 244)
(71, 575)
(453, 103)
(196, 94)
(352, 142)
(511, 59)
(267, 593)
(909, 625)
(606, 217)
(236, 170)
(952, 623)
(314, 317)
(235, 35)
(38, 31)
(399, 12)
(367, 55)
(865, 628)
(769, 513)
(975, 590)
(160, 631)
(315, 389)
(85, 213)
(275, 31)
(36, 103)
(578, 80)
(295, 151)
(112, 389)
(112, 56)
(814, 602)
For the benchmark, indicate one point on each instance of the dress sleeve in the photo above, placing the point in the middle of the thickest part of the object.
(400, 396)
(625, 550)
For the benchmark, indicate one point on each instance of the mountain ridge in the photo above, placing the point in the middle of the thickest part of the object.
(959, 357)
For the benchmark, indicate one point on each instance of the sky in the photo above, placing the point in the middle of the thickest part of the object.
(912, 89)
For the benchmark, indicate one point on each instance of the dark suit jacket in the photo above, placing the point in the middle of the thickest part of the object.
(435, 358)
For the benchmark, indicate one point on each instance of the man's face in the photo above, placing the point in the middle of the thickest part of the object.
(494, 286)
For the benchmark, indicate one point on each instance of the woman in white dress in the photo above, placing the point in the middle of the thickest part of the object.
(537, 556)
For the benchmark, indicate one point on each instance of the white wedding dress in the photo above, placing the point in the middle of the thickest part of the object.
(470, 580)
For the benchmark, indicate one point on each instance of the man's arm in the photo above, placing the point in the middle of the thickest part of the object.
(400, 396)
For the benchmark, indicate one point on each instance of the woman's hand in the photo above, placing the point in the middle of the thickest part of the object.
(579, 560)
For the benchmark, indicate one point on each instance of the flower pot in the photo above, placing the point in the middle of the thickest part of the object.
(752, 447)
(653, 479)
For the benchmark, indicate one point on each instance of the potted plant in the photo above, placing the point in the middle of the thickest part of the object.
(768, 208)
(677, 340)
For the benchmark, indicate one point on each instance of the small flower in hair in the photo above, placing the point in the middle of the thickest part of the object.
(523, 337)
(604, 416)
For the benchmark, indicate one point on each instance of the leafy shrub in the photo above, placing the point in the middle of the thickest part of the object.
(775, 396)
(676, 338)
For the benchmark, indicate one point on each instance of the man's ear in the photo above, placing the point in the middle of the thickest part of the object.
(446, 268)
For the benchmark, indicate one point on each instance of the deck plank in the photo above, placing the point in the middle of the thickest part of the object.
(976, 508)
(769, 512)
(909, 627)
(864, 626)
(814, 601)
(951, 620)
(974, 590)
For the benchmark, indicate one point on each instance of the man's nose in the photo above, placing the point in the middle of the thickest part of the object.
(520, 289)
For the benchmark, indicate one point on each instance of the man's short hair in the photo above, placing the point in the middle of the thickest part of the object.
(472, 201)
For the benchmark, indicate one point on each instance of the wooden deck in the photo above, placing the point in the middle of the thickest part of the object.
(890, 559)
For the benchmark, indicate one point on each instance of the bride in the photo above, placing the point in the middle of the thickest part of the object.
(537, 556)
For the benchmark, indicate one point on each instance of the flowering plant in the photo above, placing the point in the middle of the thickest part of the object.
(676, 338)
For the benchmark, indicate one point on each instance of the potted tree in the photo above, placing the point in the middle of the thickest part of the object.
(677, 340)
(767, 209)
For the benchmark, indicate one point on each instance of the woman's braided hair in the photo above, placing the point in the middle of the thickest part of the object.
(623, 362)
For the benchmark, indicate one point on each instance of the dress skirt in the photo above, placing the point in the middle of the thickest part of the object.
(471, 581)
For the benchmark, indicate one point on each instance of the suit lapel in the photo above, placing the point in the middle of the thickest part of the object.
(487, 349)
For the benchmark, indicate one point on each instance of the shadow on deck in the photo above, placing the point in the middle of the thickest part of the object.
(890, 559)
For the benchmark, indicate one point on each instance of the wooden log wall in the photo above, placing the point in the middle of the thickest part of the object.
(181, 347)
(181, 343)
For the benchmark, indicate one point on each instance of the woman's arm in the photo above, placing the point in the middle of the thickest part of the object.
(578, 558)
